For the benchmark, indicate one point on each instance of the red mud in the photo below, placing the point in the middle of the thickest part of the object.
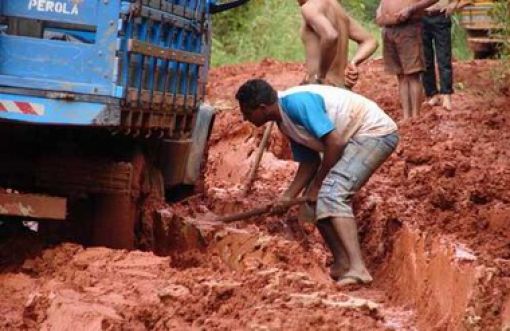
(433, 223)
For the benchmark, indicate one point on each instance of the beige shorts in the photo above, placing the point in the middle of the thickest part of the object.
(362, 156)
(403, 49)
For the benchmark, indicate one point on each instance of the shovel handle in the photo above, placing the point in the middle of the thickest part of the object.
(257, 211)
(258, 157)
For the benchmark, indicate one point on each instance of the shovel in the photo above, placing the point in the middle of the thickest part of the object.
(258, 157)
(258, 211)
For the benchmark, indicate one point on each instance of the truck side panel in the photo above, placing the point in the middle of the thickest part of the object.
(149, 58)
(36, 62)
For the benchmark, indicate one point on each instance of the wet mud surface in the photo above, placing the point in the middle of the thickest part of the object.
(434, 226)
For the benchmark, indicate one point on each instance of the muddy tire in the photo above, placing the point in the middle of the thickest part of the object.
(114, 221)
(123, 221)
(180, 192)
(149, 190)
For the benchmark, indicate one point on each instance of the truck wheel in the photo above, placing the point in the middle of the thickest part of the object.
(149, 190)
(124, 221)
(485, 54)
(114, 221)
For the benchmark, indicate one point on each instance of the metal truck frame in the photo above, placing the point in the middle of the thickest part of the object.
(481, 28)
(101, 110)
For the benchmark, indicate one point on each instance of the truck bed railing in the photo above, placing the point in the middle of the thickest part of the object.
(150, 57)
(164, 76)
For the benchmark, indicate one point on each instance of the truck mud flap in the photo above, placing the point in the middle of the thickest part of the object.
(200, 136)
(182, 160)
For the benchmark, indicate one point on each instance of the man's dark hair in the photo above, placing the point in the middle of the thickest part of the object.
(255, 92)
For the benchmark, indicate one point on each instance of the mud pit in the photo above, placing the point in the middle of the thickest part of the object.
(433, 224)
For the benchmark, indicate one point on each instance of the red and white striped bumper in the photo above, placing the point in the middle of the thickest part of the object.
(27, 108)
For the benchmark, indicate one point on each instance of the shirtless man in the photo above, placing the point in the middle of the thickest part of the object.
(403, 49)
(325, 33)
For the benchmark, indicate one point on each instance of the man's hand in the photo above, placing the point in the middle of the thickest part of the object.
(405, 14)
(450, 9)
(313, 192)
(379, 17)
(306, 80)
(320, 81)
(306, 213)
(351, 75)
(281, 205)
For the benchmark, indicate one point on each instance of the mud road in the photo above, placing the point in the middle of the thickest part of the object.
(434, 226)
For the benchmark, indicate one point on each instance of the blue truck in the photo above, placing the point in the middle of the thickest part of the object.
(101, 111)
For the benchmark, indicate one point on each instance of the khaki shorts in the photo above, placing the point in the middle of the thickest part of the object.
(403, 49)
(362, 156)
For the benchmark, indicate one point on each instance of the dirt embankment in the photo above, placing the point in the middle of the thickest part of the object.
(433, 223)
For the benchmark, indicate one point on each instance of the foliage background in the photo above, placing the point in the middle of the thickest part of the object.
(502, 15)
(270, 29)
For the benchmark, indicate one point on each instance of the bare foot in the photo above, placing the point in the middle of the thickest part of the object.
(352, 277)
(447, 102)
(337, 270)
(434, 101)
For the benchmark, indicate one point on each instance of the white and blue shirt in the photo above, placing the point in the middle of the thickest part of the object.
(310, 112)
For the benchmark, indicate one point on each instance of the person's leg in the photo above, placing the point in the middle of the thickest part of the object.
(415, 93)
(411, 57)
(392, 65)
(443, 43)
(340, 259)
(429, 75)
(404, 92)
(374, 151)
(347, 230)
(361, 158)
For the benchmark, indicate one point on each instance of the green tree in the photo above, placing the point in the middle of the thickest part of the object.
(270, 29)
(362, 10)
(260, 29)
(501, 13)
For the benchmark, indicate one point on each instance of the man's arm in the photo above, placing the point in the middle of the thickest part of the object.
(382, 18)
(464, 3)
(304, 175)
(319, 23)
(420, 5)
(378, 15)
(334, 146)
(367, 45)
(457, 5)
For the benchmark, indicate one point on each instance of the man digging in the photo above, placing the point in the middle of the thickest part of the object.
(354, 137)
